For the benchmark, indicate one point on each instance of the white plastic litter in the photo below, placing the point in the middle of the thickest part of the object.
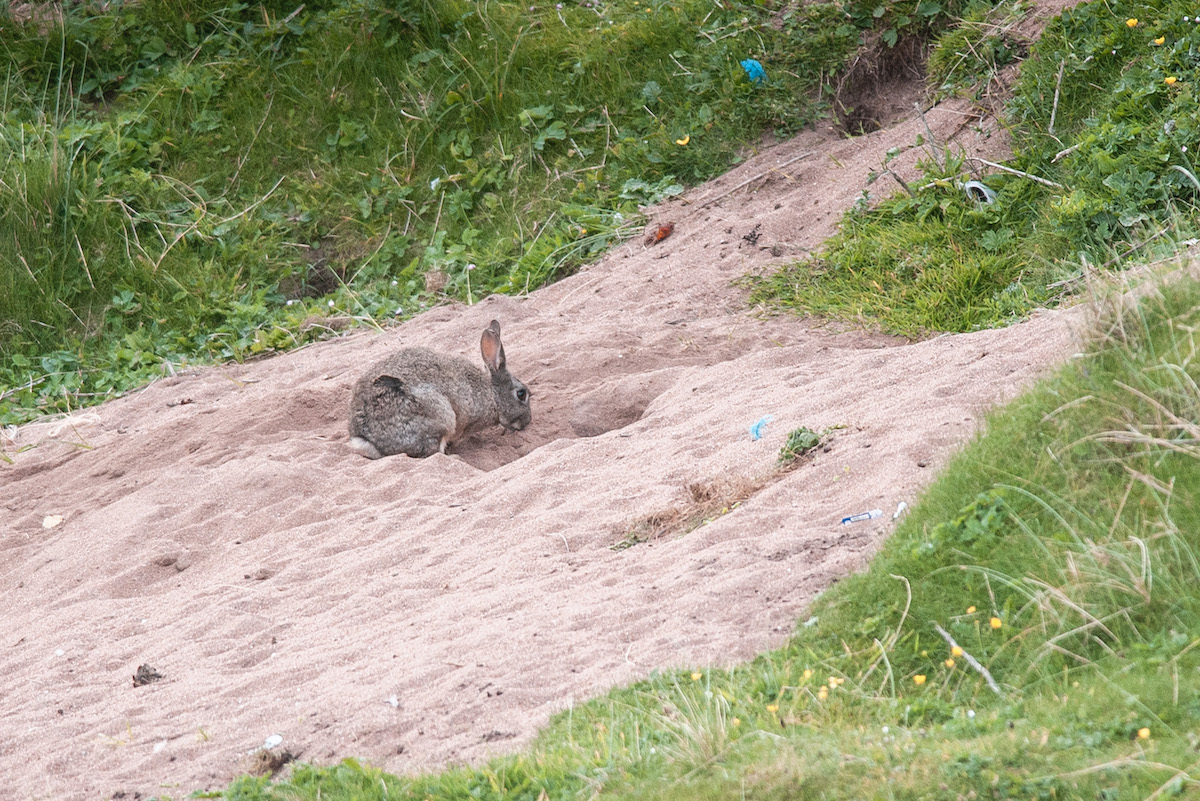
(862, 516)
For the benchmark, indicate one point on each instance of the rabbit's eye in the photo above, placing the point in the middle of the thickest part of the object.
(522, 394)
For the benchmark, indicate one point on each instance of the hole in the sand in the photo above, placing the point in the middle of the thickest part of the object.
(592, 417)
(574, 402)
(613, 405)
(881, 85)
(491, 449)
(617, 401)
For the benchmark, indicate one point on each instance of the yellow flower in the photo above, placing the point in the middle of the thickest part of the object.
(919, 679)
(956, 651)
(996, 622)
(736, 722)
(1170, 80)
(807, 674)
(1160, 40)
(1132, 22)
(823, 693)
(684, 140)
(1143, 733)
(970, 610)
(697, 676)
(949, 663)
(772, 708)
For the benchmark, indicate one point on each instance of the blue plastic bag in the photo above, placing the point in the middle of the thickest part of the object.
(754, 70)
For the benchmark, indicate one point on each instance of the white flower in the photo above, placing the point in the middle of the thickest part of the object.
(331, 304)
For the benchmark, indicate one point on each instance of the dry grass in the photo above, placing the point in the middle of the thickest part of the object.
(704, 501)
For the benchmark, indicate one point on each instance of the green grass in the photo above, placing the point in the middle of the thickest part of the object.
(1092, 113)
(1074, 521)
(184, 182)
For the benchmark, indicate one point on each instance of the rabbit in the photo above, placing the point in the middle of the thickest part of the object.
(417, 401)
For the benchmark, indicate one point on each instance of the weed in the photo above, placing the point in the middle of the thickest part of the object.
(799, 442)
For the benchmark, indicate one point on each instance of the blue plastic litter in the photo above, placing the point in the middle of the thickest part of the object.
(755, 71)
(756, 430)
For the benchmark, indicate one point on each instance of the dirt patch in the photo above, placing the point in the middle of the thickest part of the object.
(882, 85)
(417, 613)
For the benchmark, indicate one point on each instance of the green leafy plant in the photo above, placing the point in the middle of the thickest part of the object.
(799, 442)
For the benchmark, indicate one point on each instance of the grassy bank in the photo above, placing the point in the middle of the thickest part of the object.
(1103, 119)
(1058, 552)
(184, 182)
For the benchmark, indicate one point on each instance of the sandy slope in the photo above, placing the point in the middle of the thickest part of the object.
(416, 613)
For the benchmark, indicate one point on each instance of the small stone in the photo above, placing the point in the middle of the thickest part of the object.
(145, 675)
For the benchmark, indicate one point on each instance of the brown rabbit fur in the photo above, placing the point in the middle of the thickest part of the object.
(418, 401)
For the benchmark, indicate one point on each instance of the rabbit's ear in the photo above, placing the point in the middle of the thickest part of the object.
(492, 350)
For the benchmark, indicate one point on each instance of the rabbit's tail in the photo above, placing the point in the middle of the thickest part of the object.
(360, 445)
